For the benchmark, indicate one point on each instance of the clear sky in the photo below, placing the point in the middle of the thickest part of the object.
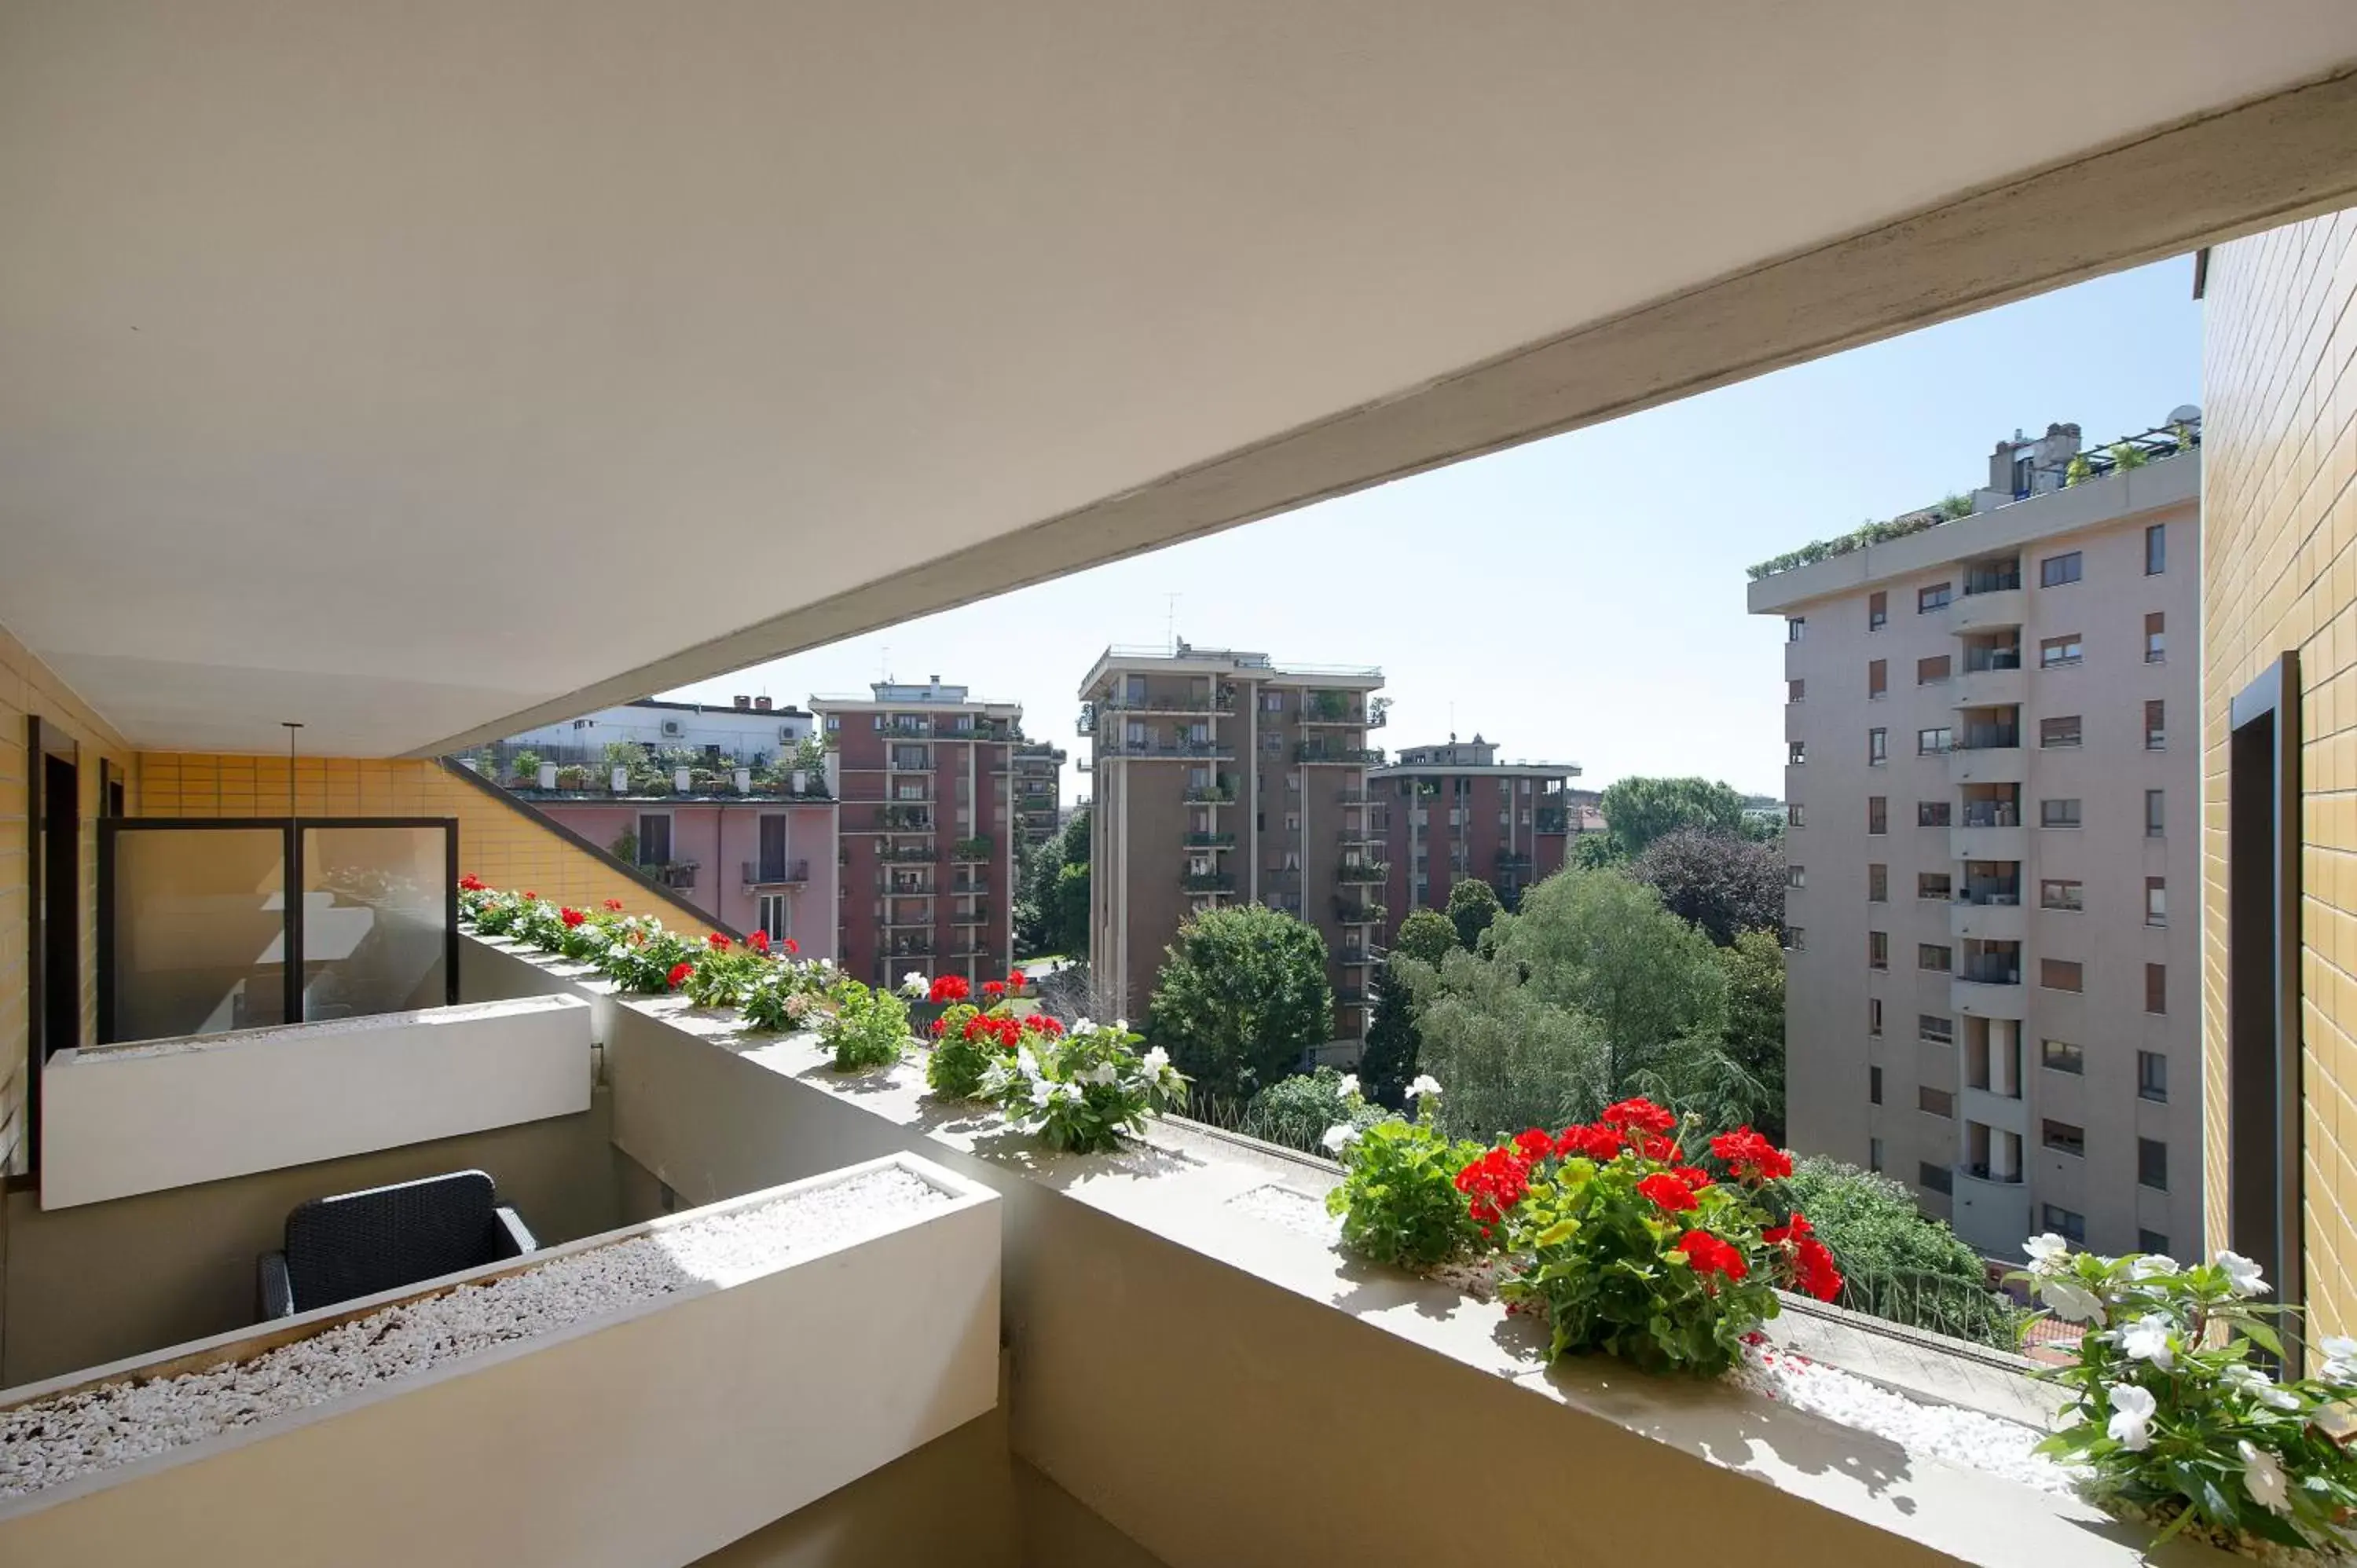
(1579, 599)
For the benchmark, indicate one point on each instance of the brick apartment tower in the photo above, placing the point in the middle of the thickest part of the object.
(1454, 811)
(1223, 779)
(1038, 791)
(925, 778)
(1993, 794)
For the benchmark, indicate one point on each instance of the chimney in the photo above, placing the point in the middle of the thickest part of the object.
(744, 703)
(760, 704)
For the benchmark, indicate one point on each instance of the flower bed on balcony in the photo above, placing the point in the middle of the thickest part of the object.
(45, 1442)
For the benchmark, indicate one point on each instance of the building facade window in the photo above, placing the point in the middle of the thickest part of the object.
(1796, 940)
(2062, 1056)
(1934, 813)
(2156, 549)
(1877, 611)
(2059, 813)
(1796, 628)
(2064, 1138)
(2067, 1223)
(1874, 1016)
(1878, 814)
(1795, 691)
(1878, 747)
(1932, 885)
(1796, 877)
(2060, 893)
(1935, 1102)
(2153, 1243)
(2054, 653)
(1796, 752)
(2060, 730)
(1874, 1154)
(1935, 1178)
(1877, 678)
(2062, 975)
(2152, 1164)
(1874, 1086)
(2156, 638)
(1935, 742)
(2152, 1077)
(2155, 901)
(1934, 597)
(2155, 814)
(1933, 956)
(1932, 671)
(1936, 1030)
(2156, 988)
(1877, 884)
(1795, 816)
(2155, 726)
(2058, 571)
(1877, 950)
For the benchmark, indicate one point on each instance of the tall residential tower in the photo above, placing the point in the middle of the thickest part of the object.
(1454, 811)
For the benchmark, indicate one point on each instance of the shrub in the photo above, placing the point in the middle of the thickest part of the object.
(1298, 1111)
(1080, 1091)
(864, 1026)
(1633, 1251)
(1399, 1203)
(1241, 997)
(2173, 1417)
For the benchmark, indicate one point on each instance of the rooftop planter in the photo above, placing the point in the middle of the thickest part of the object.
(643, 1396)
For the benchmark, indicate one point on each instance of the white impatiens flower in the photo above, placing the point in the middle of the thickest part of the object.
(2046, 1251)
(915, 983)
(2243, 1276)
(1083, 1025)
(2146, 1339)
(1043, 1092)
(2339, 1359)
(2072, 1302)
(1349, 1085)
(1121, 1024)
(2152, 1266)
(1155, 1060)
(1426, 1087)
(2131, 1423)
(2263, 1477)
(2244, 1378)
(1105, 1072)
(1338, 1137)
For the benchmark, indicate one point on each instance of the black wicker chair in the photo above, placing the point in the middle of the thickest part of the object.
(357, 1243)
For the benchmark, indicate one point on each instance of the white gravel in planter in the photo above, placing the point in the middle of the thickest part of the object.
(1295, 1211)
(53, 1440)
(1935, 1431)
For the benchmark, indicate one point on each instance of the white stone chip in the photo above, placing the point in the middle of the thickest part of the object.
(1290, 1210)
(53, 1440)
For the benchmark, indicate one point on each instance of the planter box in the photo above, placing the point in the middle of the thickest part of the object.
(119, 1120)
(654, 1435)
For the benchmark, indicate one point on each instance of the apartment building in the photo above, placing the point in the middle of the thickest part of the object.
(1223, 777)
(1993, 800)
(928, 824)
(1453, 811)
(1038, 791)
(749, 730)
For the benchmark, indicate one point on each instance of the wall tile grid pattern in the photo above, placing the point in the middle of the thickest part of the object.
(2279, 384)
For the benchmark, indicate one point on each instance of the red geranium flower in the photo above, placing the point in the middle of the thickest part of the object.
(1751, 1156)
(1707, 1254)
(1014, 979)
(1598, 1142)
(938, 1026)
(470, 883)
(1495, 1184)
(790, 946)
(1642, 1115)
(1813, 1271)
(613, 906)
(1668, 1192)
(571, 917)
(1534, 1145)
(994, 988)
(1654, 1146)
(717, 942)
(1696, 1179)
(1797, 1226)
(949, 988)
(530, 898)
(678, 973)
(1042, 1024)
(760, 942)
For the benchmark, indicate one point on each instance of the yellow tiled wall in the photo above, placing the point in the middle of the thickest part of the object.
(28, 688)
(497, 841)
(2279, 526)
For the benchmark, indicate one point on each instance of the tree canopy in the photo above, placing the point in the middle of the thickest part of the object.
(1052, 915)
(1640, 810)
(1722, 881)
(1390, 1061)
(1472, 905)
(1241, 997)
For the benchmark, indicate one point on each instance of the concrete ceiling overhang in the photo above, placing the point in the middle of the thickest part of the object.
(423, 372)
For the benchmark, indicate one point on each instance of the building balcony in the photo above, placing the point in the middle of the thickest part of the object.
(1363, 872)
(970, 849)
(1988, 993)
(907, 765)
(1996, 919)
(1208, 882)
(1358, 912)
(1360, 837)
(1350, 996)
(904, 819)
(1224, 703)
(1992, 610)
(1552, 819)
(1997, 759)
(1209, 841)
(780, 872)
(920, 887)
(1988, 689)
(1209, 795)
(1991, 1213)
(1353, 958)
(1513, 862)
(970, 917)
(679, 875)
(2008, 1112)
(1167, 750)
(972, 887)
(1316, 752)
(1353, 796)
(2007, 844)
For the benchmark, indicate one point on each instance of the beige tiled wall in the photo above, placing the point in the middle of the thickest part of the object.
(2279, 531)
(28, 689)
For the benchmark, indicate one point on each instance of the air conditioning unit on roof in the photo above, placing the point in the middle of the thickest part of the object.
(672, 729)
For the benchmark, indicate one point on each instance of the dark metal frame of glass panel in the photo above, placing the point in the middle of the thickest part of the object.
(290, 830)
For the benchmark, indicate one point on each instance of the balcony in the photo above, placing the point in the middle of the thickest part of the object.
(1208, 882)
(1350, 996)
(1987, 757)
(904, 819)
(1513, 862)
(1209, 841)
(1991, 610)
(1167, 750)
(1209, 795)
(904, 764)
(1991, 1212)
(1353, 958)
(1997, 918)
(1989, 991)
(1224, 703)
(1988, 840)
(1361, 837)
(678, 875)
(776, 873)
(1358, 912)
(970, 917)
(1316, 752)
(1991, 688)
(970, 849)
(1552, 819)
(1364, 871)
(909, 853)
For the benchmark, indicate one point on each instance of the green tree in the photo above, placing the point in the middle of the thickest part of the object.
(1472, 905)
(1241, 998)
(1296, 1110)
(1897, 1263)
(1639, 811)
(1754, 963)
(1722, 881)
(1051, 913)
(1591, 991)
(1389, 1063)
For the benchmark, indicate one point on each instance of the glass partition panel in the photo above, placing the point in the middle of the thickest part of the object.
(198, 923)
(376, 918)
